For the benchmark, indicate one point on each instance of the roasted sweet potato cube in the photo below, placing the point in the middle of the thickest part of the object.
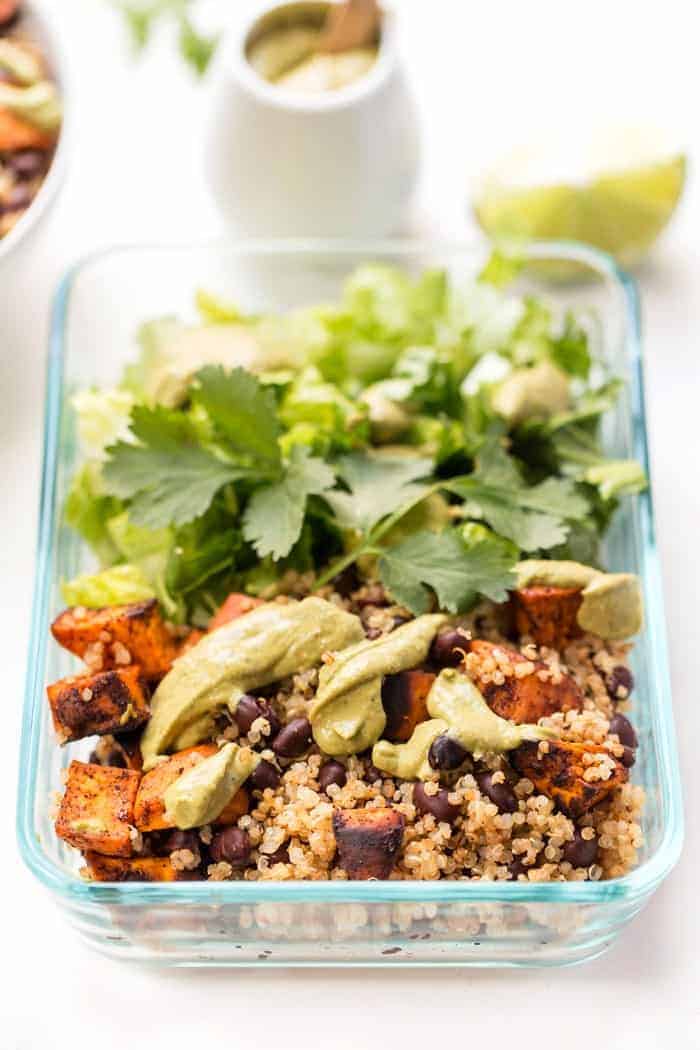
(149, 811)
(404, 698)
(136, 869)
(234, 809)
(235, 605)
(95, 704)
(8, 10)
(190, 640)
(547, 614)
(118, 636)
(368, 841)
(520, 699)
(97, 808)
(17, 133)
(558, 768)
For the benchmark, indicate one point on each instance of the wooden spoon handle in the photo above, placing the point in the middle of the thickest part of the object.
(354, 23)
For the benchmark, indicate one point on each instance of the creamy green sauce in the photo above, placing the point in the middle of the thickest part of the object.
(455, 699)
(457, 707)
(611, 602)
(200, 794)
(612, 606)
(542, 390)
(287, 57)
(38, 104)
(22, 66)
(347, 714)
(410, 760)
(267, 644)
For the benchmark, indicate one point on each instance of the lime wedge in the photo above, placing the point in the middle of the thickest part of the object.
(619, 204)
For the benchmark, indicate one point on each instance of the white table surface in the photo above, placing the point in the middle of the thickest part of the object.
(486, 74)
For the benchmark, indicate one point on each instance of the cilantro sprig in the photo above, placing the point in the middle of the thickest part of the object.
(142, 16)
(532, 517)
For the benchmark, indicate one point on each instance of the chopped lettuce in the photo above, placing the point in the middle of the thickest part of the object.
(102, 419)
(89, 508)
(116, 586)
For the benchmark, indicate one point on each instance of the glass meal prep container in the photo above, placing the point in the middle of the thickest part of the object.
(98, 309)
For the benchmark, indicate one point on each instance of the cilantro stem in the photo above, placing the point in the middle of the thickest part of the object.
(369, 546)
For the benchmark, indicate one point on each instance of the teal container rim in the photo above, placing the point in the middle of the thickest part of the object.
(633, 887)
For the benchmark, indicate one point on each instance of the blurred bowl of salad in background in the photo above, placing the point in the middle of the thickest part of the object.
(32, 123)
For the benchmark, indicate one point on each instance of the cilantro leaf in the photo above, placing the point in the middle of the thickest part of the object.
(243, 411)
(442, 562)
(274, 516)
(196, 47)
(378, 485)
(570, 350)
(171, 478)
(535, 517)
(139, 19)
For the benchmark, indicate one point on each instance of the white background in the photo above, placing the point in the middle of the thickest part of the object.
(486, 75)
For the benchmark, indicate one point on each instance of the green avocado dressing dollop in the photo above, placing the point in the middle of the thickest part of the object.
(611, 602)
(459, 709)
(347, 714)
(200, 794)
(267, 644)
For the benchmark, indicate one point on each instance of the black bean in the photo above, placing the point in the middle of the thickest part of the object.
(249, 708)
(232, 845)
(445, 650)
(446, 752)
(624, 730)
(580, 852)
(26, 163)
(372, 773)
(19, 197)
(347, 581)
(114, 757)
(516, 867)
(264, 776)
(332, 773)
(177, 839)
(294, 739)
(628, 757)
(620, 678)
(501, 795)
(280, 856)
(438, 804)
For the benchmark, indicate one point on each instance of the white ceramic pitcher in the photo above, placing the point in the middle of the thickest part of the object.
(339, 164)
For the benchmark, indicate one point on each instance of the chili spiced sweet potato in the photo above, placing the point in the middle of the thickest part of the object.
(568, 773)
(235, 605)
(520, 697)
(16, 134)
(118, 636)
(97, 809)
(404, 698)
(547, 614)
(136, 869)
(96, 704)
(368, 841)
